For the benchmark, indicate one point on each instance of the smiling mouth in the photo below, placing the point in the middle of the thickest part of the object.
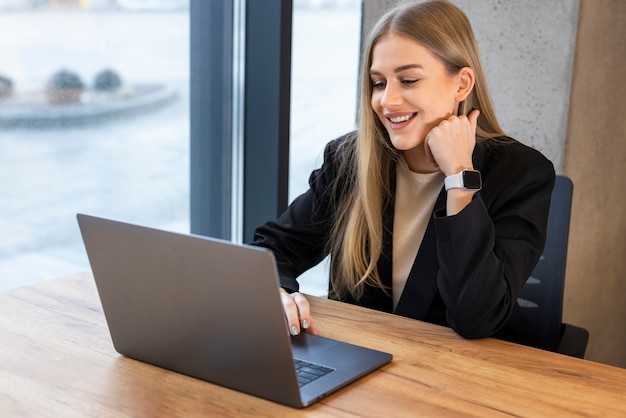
(400, 119)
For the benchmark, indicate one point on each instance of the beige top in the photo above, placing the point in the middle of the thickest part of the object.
(416, 194)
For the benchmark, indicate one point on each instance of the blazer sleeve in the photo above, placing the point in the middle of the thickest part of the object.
(487, 251)
(298, 237)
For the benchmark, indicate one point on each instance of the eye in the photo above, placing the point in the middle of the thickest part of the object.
(378, 84)
(409, 81)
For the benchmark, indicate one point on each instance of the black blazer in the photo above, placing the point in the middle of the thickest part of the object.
(470, 267)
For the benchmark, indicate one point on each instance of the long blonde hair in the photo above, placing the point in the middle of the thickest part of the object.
(367, 157)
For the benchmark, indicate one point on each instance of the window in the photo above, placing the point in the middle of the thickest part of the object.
(325, 65)
(94, 118)
(324, 74)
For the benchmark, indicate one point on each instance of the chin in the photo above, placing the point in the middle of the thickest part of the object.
(404, 142)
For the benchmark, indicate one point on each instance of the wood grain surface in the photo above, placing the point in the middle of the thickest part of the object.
(57, 360)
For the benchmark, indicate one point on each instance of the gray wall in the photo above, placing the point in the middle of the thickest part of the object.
(528, 53)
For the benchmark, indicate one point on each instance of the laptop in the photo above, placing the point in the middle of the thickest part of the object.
(211, 309)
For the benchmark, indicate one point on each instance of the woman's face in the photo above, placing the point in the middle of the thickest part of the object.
(412, 92)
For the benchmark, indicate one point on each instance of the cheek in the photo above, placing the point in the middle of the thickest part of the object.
(375, 103)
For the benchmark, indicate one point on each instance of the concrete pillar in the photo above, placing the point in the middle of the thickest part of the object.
(595, 160)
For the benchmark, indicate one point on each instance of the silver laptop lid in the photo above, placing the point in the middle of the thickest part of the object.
(177, 301)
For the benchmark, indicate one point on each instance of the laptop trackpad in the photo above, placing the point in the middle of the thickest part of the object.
(306, 345)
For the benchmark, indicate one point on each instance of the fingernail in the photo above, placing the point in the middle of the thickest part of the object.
(305, 324)
(294, 330)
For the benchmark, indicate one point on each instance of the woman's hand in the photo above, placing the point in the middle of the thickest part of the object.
(450, 144)
(297, 313)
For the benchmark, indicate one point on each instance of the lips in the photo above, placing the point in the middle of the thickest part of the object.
(399, 121)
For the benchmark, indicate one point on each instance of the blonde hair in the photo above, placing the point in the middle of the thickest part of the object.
(367, 157)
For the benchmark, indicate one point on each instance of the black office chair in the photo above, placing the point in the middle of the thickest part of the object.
(541, 298)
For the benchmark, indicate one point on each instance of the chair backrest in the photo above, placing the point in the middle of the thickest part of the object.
(541, 298)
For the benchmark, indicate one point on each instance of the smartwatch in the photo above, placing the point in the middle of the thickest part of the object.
(466, 180)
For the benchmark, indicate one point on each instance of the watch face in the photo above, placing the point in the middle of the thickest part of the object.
(472, 180)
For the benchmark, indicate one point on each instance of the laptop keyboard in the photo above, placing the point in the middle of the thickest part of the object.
(308, 372)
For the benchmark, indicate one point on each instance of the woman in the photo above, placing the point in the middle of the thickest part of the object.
(428, 210)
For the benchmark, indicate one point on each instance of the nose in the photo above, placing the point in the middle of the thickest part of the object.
(391, 96)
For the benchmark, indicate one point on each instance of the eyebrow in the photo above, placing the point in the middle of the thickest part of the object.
(399, 69)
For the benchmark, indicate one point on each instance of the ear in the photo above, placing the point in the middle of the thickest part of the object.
(466, 81)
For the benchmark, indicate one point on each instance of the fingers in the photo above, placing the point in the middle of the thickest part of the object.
(473, 119)
(429, 153)
(451, 143)
(304, 314)
(297, 313)
(291, 312)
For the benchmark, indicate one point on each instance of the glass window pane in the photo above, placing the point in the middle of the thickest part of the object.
(325, 60)
(94, 118)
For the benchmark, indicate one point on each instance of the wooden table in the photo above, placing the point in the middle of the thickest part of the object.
(57, 360)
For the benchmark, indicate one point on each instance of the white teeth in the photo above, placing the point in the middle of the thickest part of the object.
(401, 118)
